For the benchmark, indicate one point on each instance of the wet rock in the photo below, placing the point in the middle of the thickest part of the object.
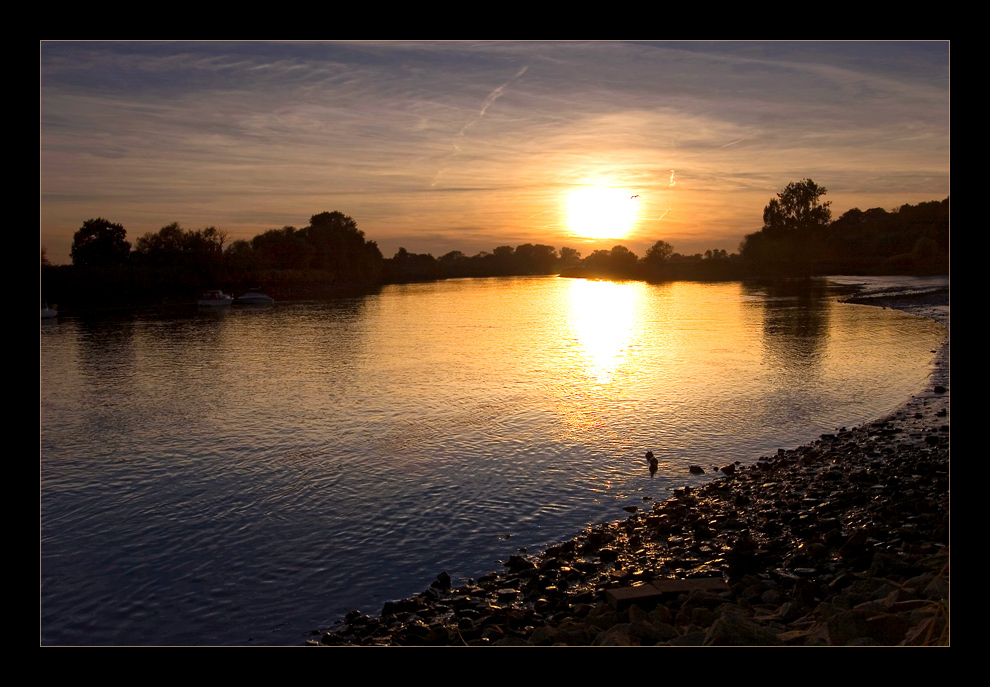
(690, 638)
(402, 606)
(733, 628)
(846, 627)
(442, 581)
(616, 635)
(518, 564)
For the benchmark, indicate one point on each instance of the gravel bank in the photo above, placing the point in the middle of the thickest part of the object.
(844, 541)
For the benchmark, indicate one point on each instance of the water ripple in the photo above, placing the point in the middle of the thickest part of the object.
(249, 478)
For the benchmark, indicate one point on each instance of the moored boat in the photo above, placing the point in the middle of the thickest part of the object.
(255, 297)
(215, 298)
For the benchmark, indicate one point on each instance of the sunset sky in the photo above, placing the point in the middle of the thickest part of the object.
(439, 146)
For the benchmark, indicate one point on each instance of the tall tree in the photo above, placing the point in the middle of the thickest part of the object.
(659, 252)
(793, 233)
(797, 208)
(162, 248)
(339, 248)
(623, 260)
(100, 243)
(569, 257)
(281, 249)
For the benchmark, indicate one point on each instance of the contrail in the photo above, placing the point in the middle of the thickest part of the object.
(708, 150)
(492, 97)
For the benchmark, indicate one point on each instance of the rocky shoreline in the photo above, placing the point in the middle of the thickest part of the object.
(842, 542)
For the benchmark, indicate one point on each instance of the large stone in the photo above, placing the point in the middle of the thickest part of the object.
(674, 586)
(400, 606)
(733, 628)
(519, 564)
(847, 626)
(617, 635)
(644, 596)
(693, 638)
(442, 581)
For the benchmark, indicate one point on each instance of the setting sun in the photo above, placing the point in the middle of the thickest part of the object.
(602, 213)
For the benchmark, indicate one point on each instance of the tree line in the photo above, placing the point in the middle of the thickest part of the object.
(331, 256)
(799, 237)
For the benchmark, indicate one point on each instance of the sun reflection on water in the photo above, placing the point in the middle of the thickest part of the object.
(602, 315)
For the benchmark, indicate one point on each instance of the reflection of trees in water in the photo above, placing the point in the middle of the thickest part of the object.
(102, 383)
(795, 321)
(105, 345)
(189, 373)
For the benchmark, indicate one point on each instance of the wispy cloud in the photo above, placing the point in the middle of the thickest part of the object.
(255, 135)
(492, 97)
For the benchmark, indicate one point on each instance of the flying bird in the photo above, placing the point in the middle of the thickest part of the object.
(635, 196)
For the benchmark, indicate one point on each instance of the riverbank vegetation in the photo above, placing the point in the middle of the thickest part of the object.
(799, 238)
(331, 256)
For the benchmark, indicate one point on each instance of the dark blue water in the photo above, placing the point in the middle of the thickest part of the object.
(247, 477)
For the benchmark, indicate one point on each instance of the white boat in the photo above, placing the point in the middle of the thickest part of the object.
(255, 297)
(48, 313)
(215, 298)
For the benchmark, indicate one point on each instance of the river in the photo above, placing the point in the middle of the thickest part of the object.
(248, 476)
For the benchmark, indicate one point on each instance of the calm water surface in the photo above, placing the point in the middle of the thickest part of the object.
(250, 476)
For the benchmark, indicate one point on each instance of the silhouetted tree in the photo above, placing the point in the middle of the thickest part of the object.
(623, 260)
(793, 232)
(569, 257)
(799, 238)
(534, 259)
(281, 249)
(620, 262)
(658, 253)
(454, 264)
(239, 257)
(501, 260)
(100, 243)
(161, 248)
(797, 209)
(178, 250)
(339, 248)
(209, 241)
(909, 239)
(405, 266)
